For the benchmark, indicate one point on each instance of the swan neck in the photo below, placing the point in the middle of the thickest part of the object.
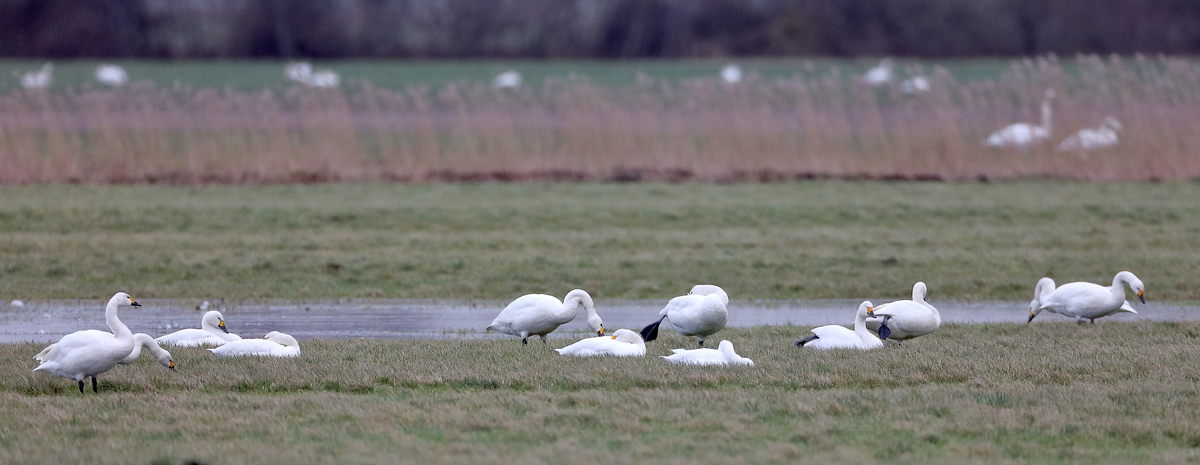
(114, 323)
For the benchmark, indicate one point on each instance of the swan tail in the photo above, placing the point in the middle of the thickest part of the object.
(807, 340)
(47, 367)
(44, 354)
(650, 332)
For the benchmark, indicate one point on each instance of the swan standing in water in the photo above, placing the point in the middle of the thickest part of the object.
(623, 343)
(838, 337)
(274, 344)
(84, 354)
(700, 313)
(1087, 301)
(1090, 139)
(541, 314)
(212, 332)
(722, 355)
(905, 319)
(1023, 135)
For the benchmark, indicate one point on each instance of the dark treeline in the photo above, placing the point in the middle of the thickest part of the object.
(592, 28)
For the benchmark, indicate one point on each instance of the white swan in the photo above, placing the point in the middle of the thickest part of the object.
(507, 80)
(300, 72)
(700, 313)
(112, 75)
(274, 344)
(212, 332)
(38, 79)
(731, 73)
(326, 78)
(1087, 301)
(915, 85)
(1041, 290)
(623, 343)
(140, 341)
(1091, 139)
(1023, 135)
(722, 355)
(881, 74)
(838, 337)
(84, 354)
(541, 314)
(906, 319)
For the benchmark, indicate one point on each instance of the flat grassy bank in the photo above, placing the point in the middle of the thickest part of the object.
(1044, 393)
(970, 241)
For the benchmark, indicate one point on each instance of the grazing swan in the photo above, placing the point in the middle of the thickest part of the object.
(722, 355)
(541, 314)
(700, 313)
(140, 341)
(112, 75)
(906, 319)
(507, 80)
(1042, 290)
(212, 332)
(1090, 139)
(881, 74)
(1087, 301)
(838, 337)
(38, 79)
(731, 74)
(623, 343)
(84, 354)
(275, 344)
(1023, 135)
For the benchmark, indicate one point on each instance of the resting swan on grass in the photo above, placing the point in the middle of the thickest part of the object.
(1087, 301)
(905, 319)
(1023, 135)
(212, 332)
(623, 343)
(540, 314)
(700, 313)
(722, 355)
(84, 354)
(274, 344)
(838, 337)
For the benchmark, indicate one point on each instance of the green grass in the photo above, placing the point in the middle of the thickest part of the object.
(497, 241)
(1044, 393)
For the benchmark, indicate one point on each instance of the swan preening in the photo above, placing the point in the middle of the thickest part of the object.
(1023, 135)
(304, 73)
(540, 314)
(731, 73)
(623, 343)
(212, 332)
(1086, 301)
(905, 319)
(112, 75)
(1086, 139)
(274, 344)
(39, 79)
(700, 313)
(84, 354)
(722, 355)
(838, 337)
(507, 80)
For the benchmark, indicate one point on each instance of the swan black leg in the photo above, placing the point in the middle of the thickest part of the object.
(81, 386)
(650, 332)
(525, 340)
(94, 388)
(701, 342)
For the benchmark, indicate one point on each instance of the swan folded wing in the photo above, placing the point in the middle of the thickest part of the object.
(191, 337)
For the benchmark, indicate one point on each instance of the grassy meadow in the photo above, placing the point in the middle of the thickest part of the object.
(805, 240)
(1005, 393)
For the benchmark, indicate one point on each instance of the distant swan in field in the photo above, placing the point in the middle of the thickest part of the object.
(700, 313)
(112, 75)
(881, 74)
(1087, 301)
(722, 355)
(915, 85)
(731, 73)
(623, 343)
(905, 319)
(1091, 139)
(326, 78)
(274, 344)
(84, 354)
(212, 332)
(304, 73)
(838, 337)
(541, 314)
(1023, 135)
(38, 79)
(507, 80)
(300, 72)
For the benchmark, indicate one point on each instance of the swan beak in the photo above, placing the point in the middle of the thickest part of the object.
(601, 332)
(171, 365)
(135, 304)
(614, 338)
(870, 312)
(1140, 297)
(221, 324)
(1031, 315)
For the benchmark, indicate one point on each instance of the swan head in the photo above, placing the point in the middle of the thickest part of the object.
(1111, 122)
(709, 289)
(627, 336)
(166, 360)
(281, 339)
(1134, 283)
(866, 309)
(122, 299)
(919, 291)
(215, 320)
(582, 298)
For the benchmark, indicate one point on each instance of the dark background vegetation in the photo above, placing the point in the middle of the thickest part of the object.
(592, 28)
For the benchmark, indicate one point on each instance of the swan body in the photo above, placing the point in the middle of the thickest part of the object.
(881, 74)
(700, 313)
(305, 74)
(38, 79)
(140, 341)
(275, 344)
(731, 74)
(507, 80)
(326, 78)
(915, 85)
(300, 72)
(84, 354)
(905, 319)
(1103, 136)
(112, 75)
(1087, 301)
(831, 337)
(1023, 135)
(212, 332)
(623, 343)
(541, 314)
(722, 355)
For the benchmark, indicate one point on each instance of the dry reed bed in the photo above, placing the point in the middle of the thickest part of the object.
(568, 129)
